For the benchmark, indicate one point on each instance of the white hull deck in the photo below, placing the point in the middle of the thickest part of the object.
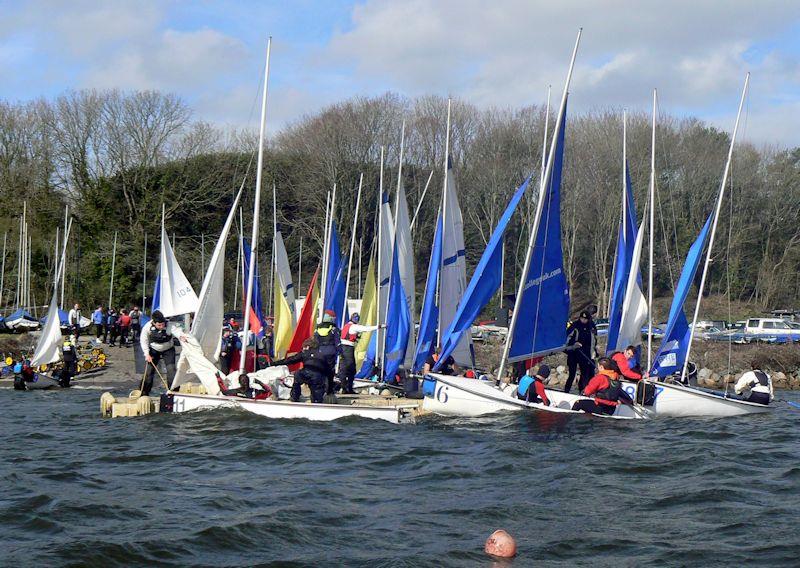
(381, 409)
(675, 400)
(459, 396)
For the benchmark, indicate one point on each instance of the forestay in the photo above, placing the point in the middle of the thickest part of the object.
(672, 352)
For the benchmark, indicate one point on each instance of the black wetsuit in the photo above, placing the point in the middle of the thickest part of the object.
(580, 357)
(317, 368)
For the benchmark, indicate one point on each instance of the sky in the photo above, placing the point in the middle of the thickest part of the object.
(491, 53)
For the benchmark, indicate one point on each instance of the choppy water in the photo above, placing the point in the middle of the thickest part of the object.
(226, 488)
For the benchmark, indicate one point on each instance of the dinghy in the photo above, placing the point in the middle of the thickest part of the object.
(667, 396)
(21, 321)
(541, 308)
(200, 347)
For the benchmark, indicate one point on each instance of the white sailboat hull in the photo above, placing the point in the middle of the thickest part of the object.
(459, 396)
(680, 401)
(397, 414)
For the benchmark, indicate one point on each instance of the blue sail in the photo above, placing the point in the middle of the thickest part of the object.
(257, 322)
(622, 266)
(335, 277)
(672, 352)
(484, 283)
(429, 316)
(398, 323)
(157, 292)
(369, 358)
(543, 309)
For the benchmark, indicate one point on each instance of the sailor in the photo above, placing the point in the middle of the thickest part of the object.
(70, 357)
(581, 350)
(758, 382)
(623, 360)
(531, 386)
(111, 326)
(124, 323)
(75, 320)
(226, 349)
(98, 319)
(606, 388)
(328, 338)
(136, 322)
(347, 362)
(245, 390)
(156, 343)
(317, 367)
(449, 366)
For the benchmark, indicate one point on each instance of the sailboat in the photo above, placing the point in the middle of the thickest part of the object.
(200, 354)
(173, 294)
(668, 395)
(48, 348)
(541, 308)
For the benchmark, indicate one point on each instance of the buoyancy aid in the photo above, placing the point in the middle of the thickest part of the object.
(762, 378)
(349, 338)
(525, 383)
(612, 392)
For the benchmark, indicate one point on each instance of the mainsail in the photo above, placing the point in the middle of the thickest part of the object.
(543, 308)
(173, 293)
(672, 352)
(429, 316)
(206, 329)
(484, 283)
(368, 314)
(398, 323)
(453, 275)
(622, 266)
(634, 307)
(405, 258)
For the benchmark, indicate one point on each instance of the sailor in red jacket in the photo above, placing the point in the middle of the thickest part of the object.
(244, 390)
(622, 359)
(606, 388)
(531, 386)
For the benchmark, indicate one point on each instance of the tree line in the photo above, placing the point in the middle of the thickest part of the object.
(115, 157)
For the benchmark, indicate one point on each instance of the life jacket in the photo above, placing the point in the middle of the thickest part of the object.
(762, 377)
(612, 392)
(68, 351)
(525, 383)
(159, 335)
(348, 338)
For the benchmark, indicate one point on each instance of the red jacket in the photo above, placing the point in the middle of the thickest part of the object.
(624, 368)
(539, 385)
(600, 382)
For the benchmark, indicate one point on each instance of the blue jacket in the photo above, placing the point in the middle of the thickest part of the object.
(97, 317)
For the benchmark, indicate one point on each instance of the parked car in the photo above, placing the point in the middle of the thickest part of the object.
(774, 330)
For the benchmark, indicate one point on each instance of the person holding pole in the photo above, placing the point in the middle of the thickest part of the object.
(156, 343)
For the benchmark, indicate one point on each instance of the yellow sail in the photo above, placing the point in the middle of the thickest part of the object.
(282, 329)
(369, 312)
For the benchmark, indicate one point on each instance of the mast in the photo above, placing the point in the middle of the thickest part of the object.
(238, 262)
(113, 266)
(379, 337)
(19, 264)
(444, 213)
(652, 230)
(64, 270)
(273, 266)
(714, 225)
(352, 246)
(55, 258)
(394, 232)
(326, 250)
(144, 273)
(3, 270)
(539, 207)
(300, 264)
(256, 209)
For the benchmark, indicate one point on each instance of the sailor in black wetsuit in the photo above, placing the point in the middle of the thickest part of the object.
(70, 356)
(317, 368)
(156, 343)
(328, 339)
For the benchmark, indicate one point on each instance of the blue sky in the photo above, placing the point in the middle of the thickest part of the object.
(502, 53)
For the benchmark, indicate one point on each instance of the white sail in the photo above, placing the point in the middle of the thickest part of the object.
(207, 324)
(175, 295)
(634, 308)
(453, 276)
(49, 346)
(284, 273)
(405, 259)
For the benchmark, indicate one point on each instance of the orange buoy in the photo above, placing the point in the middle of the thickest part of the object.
(501, 544)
